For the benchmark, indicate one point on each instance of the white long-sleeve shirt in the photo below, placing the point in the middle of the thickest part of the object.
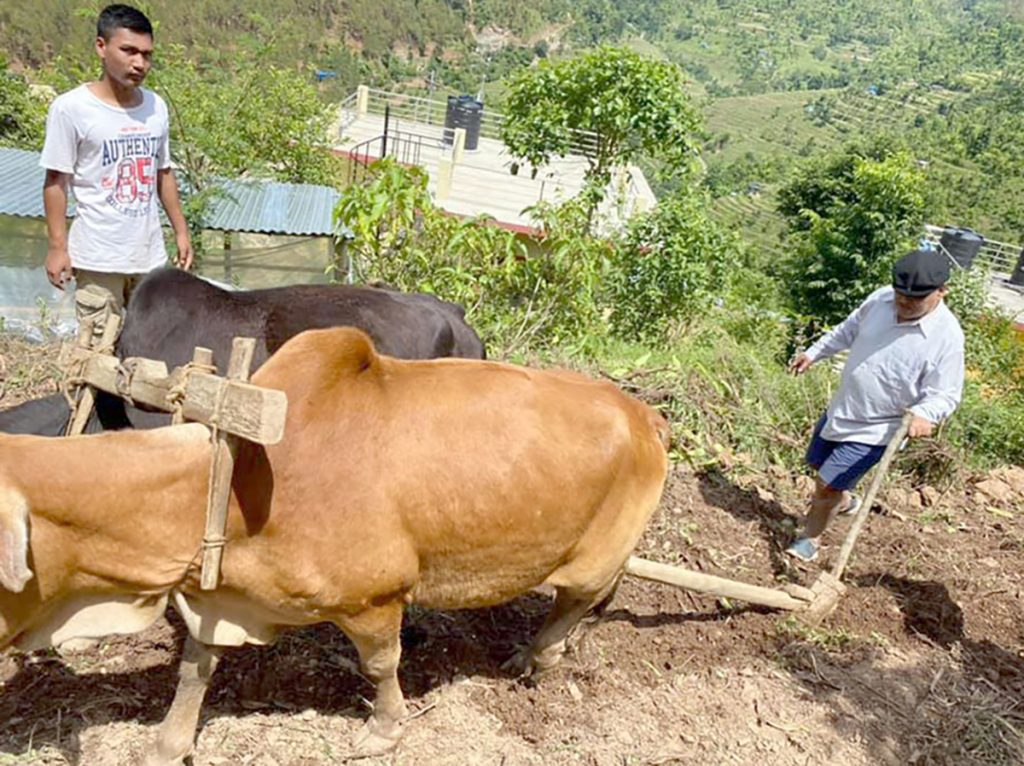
(893, 366)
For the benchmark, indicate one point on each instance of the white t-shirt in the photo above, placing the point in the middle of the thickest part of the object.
(113, 155)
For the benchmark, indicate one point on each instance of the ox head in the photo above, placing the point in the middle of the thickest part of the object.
(14, 571)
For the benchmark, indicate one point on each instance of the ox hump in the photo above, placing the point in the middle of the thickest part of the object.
(14, 571)
(338, 352)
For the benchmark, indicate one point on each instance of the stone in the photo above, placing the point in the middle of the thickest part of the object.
(998, 490)
(897, 498)
(1012, 476)
(929, 496)
(574, 692)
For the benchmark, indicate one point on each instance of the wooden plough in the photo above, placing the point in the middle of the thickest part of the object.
(232, 407)
(812, 604)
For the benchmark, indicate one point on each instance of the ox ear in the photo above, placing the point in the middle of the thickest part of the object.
(14, 571)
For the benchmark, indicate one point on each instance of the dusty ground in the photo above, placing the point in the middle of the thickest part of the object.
(922, 663)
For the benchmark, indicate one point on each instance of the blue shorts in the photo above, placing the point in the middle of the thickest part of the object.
(841, 464)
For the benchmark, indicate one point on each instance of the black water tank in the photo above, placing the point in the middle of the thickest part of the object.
(1017, 277)
(463, 112)
(962, 244)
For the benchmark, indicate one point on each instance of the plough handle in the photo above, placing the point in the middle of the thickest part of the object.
(865, 508)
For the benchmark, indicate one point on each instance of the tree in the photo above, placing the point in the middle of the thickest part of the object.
(242, 118)
(22, 113)
(669, 268)
(636, 106)
(851, 215)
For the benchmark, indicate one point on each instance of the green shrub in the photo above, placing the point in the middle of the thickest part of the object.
(989, 426)
(519, 291)
(669, 269)
(850, 215)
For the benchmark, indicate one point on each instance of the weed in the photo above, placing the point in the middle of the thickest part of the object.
(687, 530)
(827, 639)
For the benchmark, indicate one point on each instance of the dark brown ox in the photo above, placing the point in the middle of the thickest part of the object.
(172, 312)
(446, 483)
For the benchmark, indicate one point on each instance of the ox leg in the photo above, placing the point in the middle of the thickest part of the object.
(176, 736)
(569, 609)
(375, 634)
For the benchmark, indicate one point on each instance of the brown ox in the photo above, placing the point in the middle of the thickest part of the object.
(448, 484)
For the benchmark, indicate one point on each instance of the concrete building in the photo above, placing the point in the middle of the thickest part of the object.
(471, 171)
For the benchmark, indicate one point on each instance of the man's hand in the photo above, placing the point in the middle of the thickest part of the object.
(184, 259)
(920, 427)
(58, 266)
(799, 365)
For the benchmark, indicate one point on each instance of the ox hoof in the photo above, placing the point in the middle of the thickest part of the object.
(532, 665)
(519, 664)
(376, 739)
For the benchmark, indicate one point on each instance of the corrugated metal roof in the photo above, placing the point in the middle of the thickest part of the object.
(272, 207)
(21, 184)
(269, 207)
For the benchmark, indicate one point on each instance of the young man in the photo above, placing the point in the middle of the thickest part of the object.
(906, 352)
(108, 140)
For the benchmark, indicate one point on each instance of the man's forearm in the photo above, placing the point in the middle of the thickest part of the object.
(55, 204)
(167, 189)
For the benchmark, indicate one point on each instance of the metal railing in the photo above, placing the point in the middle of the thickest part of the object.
(347, 112)
(428, 111)
(404, 147)
(999, 257)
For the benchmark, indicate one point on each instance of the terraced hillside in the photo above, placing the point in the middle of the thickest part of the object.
(765, 125)
(754, 141)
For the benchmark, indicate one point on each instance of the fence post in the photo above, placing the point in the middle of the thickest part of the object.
(362, 100)
(227, 257)
(444, 178)
(1017, 275)
(458, 144)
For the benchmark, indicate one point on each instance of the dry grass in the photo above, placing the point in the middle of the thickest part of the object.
(946, 713)
(969, 722)
(27, 370)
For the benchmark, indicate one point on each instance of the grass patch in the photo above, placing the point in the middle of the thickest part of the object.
(826, 639)
(766, 124)
(27, 370)
(969, 724)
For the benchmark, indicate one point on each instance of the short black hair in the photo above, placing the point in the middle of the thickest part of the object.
(119, 16)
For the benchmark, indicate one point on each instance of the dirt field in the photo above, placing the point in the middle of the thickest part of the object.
(922, 663)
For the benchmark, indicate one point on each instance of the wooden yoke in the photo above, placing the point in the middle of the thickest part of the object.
(239, 408)
(231, 406)
(81, 409)
(202, 360)
(222, 465)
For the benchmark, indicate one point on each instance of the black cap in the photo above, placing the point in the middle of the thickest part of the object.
(920, 273)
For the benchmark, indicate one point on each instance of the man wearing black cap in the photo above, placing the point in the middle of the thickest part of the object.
(906, 352)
